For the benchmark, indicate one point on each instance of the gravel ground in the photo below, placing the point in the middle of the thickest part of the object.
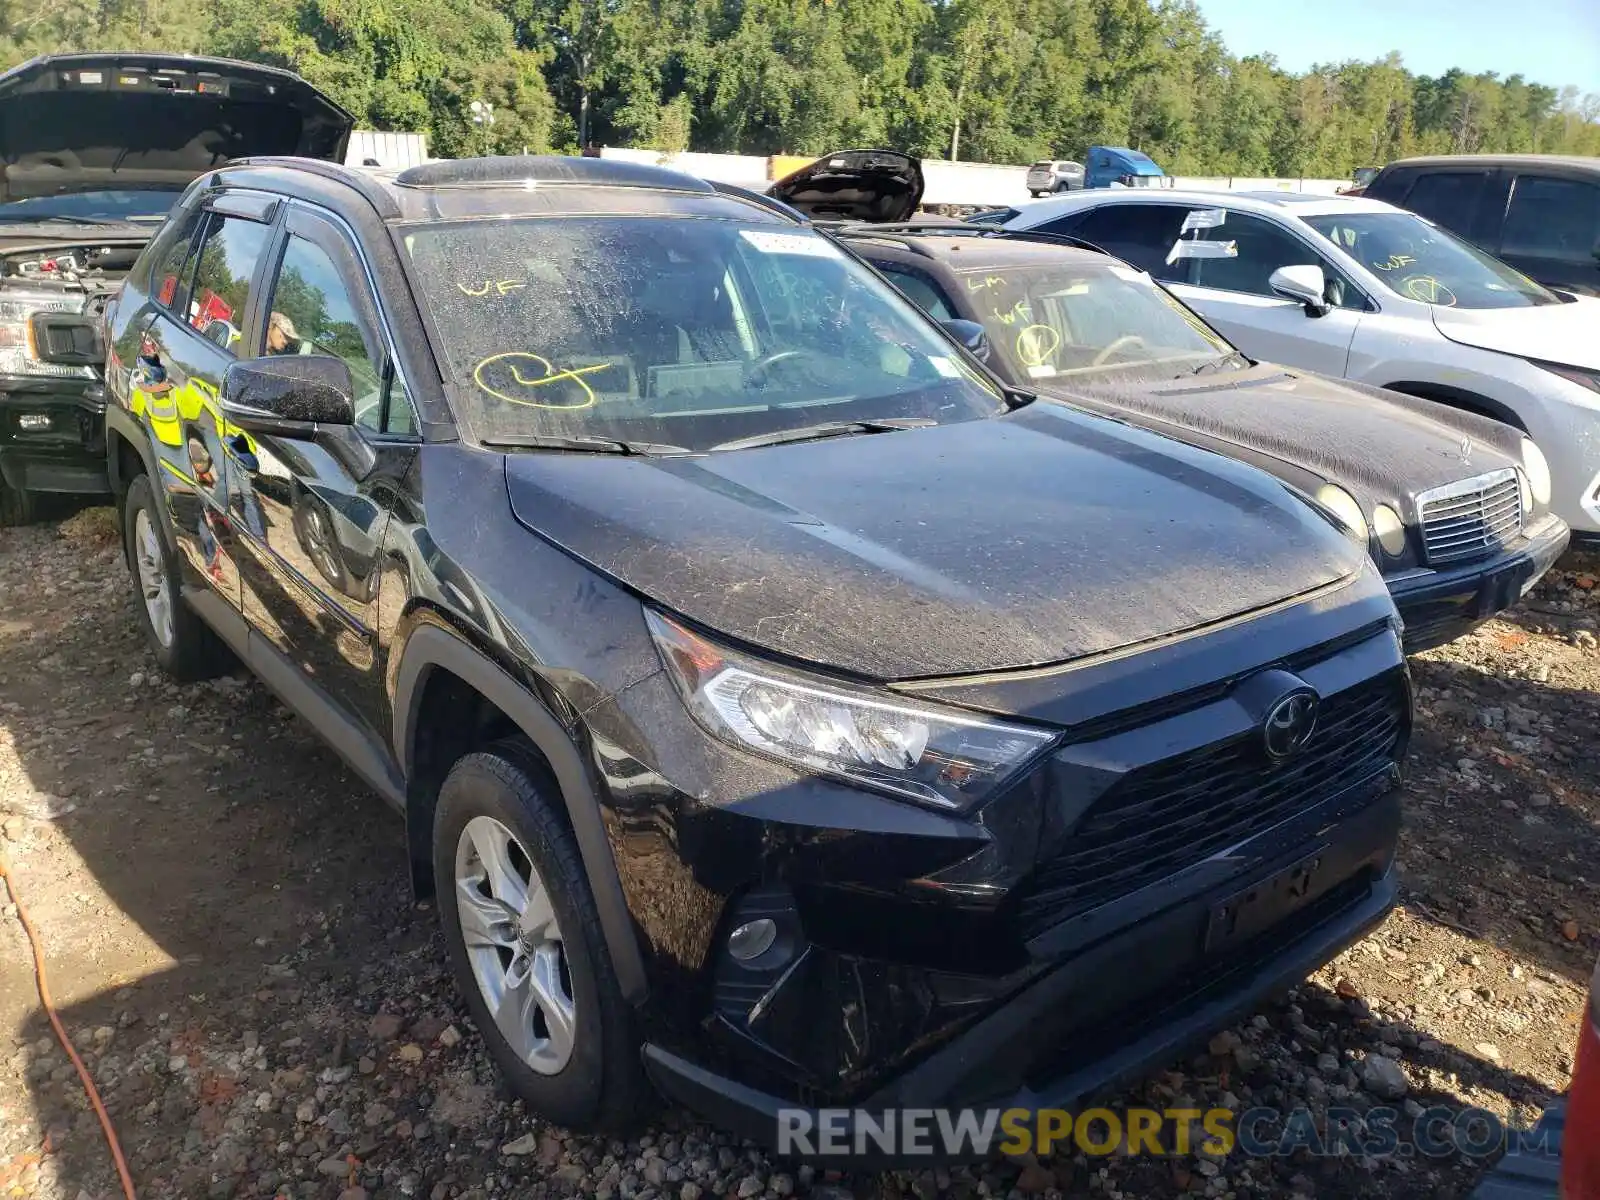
(233, 948)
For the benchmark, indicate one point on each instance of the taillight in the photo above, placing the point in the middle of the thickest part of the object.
(1580, 1144)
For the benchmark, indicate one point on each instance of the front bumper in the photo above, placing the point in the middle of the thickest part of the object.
(1118, 1009)
(69, 455)
(1439, 606)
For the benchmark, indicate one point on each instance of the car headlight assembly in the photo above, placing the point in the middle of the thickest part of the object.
(17, 354)
(1390, 530)
(937, 757)
(1344, 506)
(1537, 469)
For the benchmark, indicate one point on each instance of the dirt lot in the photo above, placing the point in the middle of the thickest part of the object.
(232, 945)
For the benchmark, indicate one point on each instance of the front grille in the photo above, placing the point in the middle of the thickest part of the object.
(1470, 518)
(1173, 814)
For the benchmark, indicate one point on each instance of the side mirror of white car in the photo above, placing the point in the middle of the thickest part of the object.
(1303, 283)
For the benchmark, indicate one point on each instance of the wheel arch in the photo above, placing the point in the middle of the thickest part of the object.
(432, 649)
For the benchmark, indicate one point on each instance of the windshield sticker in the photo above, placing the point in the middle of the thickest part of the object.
(502, 286)
(1204, 218)
(944, 366)
(1192, 249)
(1127, 273)
(788, 243)
(1036, 345)
(516, 377)
(1041, 371)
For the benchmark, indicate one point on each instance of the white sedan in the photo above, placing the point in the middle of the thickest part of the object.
(1359, 289)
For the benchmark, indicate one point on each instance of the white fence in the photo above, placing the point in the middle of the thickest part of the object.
(386, 149)
(947, 182)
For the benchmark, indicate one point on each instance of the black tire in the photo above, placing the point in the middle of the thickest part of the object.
(601, 1088)
(194, 652)
(16, 508)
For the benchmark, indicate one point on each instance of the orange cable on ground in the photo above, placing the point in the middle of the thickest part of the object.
(61, 1034)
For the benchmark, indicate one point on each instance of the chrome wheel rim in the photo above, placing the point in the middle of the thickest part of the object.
(153, 587)
(514, 945)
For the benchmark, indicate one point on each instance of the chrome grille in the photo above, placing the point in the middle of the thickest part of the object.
(1471, 517)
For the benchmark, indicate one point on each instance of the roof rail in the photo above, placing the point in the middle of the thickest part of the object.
(909, 228)
(522, 169)
(360, 181)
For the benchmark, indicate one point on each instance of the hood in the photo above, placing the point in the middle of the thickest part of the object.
(1039, 537)
(855, 185)
(1379, 443)
(80, 122)
(1558, 333)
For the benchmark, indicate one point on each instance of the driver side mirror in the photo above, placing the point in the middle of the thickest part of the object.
(972, 337)
(1304, 283)
(291, 396)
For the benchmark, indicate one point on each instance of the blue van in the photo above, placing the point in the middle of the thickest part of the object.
(1107, 165)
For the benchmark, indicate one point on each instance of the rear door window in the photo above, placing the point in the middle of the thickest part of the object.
(1142, 234)
(1552, 218)
(1449, 198)
(919, 289)
(221, 294)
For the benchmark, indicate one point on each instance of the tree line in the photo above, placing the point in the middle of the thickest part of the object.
(981, 80)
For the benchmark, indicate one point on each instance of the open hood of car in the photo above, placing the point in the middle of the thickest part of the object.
(82, 122)
(1558, 333)
(855, 185)
(1042, 536)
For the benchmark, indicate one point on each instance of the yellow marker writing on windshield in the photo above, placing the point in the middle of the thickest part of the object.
(1037, 344)
(512, 359)
(502, 286)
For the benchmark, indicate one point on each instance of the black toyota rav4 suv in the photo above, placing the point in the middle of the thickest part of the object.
(782, 710)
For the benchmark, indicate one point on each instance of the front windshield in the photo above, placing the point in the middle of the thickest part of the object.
(145, 206)
(1422, 262)
(687, 332)
(1088, 318)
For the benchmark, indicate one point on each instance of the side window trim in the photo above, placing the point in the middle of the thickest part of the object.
(393, 372)
(211, 216)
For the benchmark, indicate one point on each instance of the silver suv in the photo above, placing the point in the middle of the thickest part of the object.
(1051, 176)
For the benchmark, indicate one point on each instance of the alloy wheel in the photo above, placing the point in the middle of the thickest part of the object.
(514, 945)
(153, 586)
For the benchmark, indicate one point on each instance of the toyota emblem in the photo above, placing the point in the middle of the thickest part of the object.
(1289, 725)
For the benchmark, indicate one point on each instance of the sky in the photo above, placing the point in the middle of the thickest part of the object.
(1554, 42)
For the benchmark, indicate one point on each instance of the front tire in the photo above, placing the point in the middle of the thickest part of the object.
(16, 507)
(182, 643)
(525, 944)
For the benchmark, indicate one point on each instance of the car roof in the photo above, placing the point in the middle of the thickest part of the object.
(1497, 160)
(1299, 204)
(511, 185)
(966, 251)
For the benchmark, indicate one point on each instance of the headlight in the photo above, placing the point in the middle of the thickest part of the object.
(16, 338)
(1343, 505)
(1391, 530)
(937, 757)
(1538, 470)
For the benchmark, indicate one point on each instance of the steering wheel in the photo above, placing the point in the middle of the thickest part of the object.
(1126, 340)
(761, 366)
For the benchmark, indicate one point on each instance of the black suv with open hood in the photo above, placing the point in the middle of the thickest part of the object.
(94, 150)
(781, 708)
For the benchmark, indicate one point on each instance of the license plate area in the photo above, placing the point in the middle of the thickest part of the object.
(1237, 918)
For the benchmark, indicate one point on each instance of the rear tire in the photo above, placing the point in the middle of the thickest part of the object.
(560, 1031)
(183, 644)
(16, 508)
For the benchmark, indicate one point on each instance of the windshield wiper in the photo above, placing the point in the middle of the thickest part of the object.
(56, 219)
(827, 429)
(1216, 364)
(582, 443)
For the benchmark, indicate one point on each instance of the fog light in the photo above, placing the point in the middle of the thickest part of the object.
(33, 422)
(752, 939)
